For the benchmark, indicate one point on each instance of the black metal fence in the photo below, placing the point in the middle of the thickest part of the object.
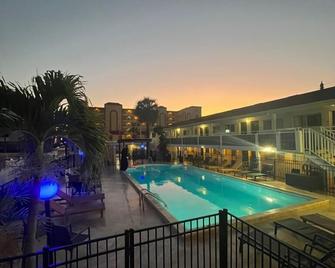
(278, 168)
(218, 240)
(324, 172)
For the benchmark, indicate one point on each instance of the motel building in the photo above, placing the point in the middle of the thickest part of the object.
(295, 134)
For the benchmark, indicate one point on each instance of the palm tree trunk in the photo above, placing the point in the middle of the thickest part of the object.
(148, 136)
(30, 229)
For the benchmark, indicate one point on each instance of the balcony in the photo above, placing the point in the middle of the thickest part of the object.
(285, 140)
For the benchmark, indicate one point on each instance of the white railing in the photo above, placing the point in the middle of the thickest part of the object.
(328, 131)
(319, 144)
(318, 141)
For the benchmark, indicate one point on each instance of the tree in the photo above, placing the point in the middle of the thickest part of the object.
(135, 130)
(55, 105)
(147, 112)
(163, 143)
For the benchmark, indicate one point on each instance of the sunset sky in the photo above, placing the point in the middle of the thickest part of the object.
(216, 54)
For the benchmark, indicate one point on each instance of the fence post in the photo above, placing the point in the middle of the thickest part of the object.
(46, 257)
(223, 238)
(129, 248)
(126, 248)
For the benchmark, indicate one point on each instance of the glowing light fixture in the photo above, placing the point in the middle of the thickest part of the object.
(269, 149)
(203, 177)
(48, 189)
(178, 179)
(227, 130)
(81, 153)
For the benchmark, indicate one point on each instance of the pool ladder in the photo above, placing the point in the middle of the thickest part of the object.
(145, 192)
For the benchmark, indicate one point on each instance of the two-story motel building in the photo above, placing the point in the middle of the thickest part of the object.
(297, 128)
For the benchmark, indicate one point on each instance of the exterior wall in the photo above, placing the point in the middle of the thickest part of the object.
(188, 113)
(113, 119)
(122, 122)
(289, 117)
(162, 119)
(281, 130)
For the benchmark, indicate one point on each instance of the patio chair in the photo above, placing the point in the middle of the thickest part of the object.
(74, 184)
(327, 257)
(64, 236)
(287, 256)
(309, 232)
(320, 221)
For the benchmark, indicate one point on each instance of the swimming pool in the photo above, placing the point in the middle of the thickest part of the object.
(189, 192)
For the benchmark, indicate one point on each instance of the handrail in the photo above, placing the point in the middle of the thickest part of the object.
(319, 144)
(328, 131)
(156, 196)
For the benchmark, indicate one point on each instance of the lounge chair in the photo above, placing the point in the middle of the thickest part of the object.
(309, 232)
(287, 256)
(69, 205)
(254, 175)
(327, 258)
(234, 168)
(74, 200)
(321, 221)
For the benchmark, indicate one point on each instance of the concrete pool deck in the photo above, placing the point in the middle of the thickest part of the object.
(123, 211)
(123, 208)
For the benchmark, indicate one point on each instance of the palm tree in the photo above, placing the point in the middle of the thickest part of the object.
(55, 105)
(147, 112)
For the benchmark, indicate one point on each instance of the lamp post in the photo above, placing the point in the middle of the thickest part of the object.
(48, 189)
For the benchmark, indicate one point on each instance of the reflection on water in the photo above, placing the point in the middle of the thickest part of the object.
(191, 192)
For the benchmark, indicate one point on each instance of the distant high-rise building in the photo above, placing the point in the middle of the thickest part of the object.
(121, 122)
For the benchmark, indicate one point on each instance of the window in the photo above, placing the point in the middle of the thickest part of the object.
(254, 126)
(206, 131)
(279, 123)
(244, 128)
(229, 128)
(201, 131)
(267, 124)
(216, 128)
(314, 120)
(184, 132)
(196, 131)
(311, 120)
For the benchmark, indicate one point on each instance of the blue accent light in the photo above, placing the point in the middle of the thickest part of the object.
(81, 153)
(48, 189)
(142, 177)
(142, 146)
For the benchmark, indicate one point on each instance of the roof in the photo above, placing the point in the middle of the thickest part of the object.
(313, 96)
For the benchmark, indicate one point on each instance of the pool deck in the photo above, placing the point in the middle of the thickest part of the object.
(123, 211)
(123, 208)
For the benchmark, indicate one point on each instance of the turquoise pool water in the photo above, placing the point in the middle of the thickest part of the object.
(190, 192)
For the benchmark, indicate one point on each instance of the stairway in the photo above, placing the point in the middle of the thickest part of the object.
(319, 145)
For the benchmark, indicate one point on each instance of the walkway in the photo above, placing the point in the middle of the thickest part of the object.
(122, 209)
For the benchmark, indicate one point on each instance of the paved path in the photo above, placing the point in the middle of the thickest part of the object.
(122, 209)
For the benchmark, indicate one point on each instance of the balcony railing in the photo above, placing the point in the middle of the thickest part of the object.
(285, 139)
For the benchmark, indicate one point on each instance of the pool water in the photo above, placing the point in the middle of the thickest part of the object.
(189, 192)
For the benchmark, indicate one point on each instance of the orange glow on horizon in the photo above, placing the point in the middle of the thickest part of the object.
(211, 100)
